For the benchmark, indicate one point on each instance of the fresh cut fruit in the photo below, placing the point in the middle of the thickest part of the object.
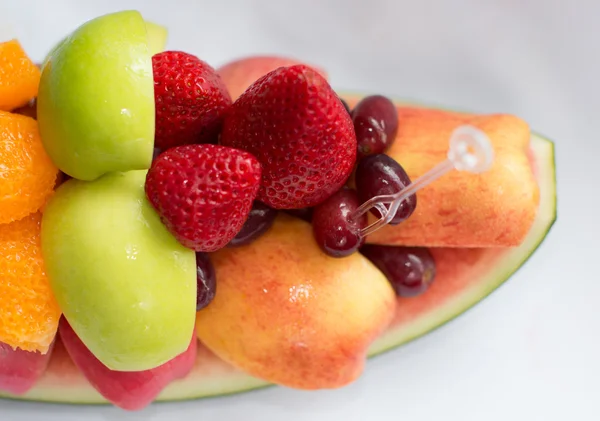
(464, 277)
(157, 37)
(239, 74)
(127, 390)
(193, 245)
(27, 175)
(20, 370)
(297, 127)
(286, 312)
(96, 98)
(131, 295)
(19, 76)
(29, 312)
(191, 100)
(157, 40)
(472, 211)
(203, 193)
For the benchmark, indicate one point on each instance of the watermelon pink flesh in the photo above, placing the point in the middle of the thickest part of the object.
(20, 370)
(127, 390)
(465, 277)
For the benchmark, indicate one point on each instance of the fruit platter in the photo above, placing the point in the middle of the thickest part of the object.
(171, 231)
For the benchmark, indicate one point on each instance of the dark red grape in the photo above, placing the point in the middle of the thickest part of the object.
(259, 220)
(334, 231)
(206, 279)
(346, 106)
(61, 178)
(410, 270)
(29, 109)
(376, 124)
(157, 151)
(380, 175)
(305, 214)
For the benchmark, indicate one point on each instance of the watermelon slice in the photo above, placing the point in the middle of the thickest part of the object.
(20, 370)
(465, 277)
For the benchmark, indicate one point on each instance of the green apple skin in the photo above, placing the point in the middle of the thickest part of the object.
(96, 98)
(123, 282)
(157, 40)
(157, 37)
(51, 52)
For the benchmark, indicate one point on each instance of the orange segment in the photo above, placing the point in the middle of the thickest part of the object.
(19, 76)
(27, 175)
(29, 313)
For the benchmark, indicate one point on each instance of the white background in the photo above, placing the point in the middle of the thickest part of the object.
(529, 352)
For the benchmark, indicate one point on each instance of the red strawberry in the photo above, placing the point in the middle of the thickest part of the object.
(297, 127)
(190, 100)
(203, 193)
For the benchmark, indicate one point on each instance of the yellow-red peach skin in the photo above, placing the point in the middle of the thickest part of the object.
(286, 312)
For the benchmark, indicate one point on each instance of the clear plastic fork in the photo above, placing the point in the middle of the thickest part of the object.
(470, 150)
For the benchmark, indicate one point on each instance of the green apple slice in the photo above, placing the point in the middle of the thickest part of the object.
(157, 40)
(96, 98)
(157, 37)
(52, 51)
(126, 286)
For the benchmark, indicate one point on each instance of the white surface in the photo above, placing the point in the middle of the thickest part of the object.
(530, 351)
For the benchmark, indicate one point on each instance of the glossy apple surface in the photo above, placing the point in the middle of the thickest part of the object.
(51, 52)
(157, 40)
(123, 282)
(96, 98)
(157, 37)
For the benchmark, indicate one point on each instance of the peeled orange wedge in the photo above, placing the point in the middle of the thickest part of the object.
(19, 76)
(29, 313)
(27, 175)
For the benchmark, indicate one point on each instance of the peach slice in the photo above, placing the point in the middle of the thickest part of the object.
(493, 209)
(289, 314)
(239, 74)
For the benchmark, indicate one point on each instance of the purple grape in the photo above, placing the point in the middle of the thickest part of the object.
(376, 124)
(259, 220)
(346, 106)
(380, 175)
(29, 109)
(410, 270)
(305, 214)
(334, 231)
(156, 153)
(206, 280)
(61, 178)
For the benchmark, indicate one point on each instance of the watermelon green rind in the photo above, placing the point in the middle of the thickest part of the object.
(213, 377)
